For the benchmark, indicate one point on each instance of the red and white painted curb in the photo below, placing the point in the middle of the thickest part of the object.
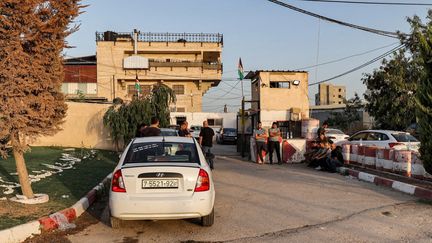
(21, 232)
(416, 191)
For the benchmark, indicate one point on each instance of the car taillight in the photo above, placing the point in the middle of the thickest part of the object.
(203, 181)
(117, 183)
(391, 145)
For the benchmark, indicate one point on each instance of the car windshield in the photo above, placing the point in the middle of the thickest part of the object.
(229, 130)
(334, 131)
(404, 137)
(159, 152)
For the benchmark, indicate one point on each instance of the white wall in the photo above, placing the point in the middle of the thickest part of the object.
(197, 118)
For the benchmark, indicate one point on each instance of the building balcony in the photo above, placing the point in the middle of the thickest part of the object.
(169, 63)
(161, 37)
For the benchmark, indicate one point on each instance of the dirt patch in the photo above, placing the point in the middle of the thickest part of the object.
(92, 216)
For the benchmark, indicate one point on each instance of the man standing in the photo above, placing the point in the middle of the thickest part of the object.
(206, 141)
(274, 143)
(153, 130)
(184, 131)
(260, 135)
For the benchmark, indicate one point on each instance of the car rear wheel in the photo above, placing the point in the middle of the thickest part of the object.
(115, 222)
(208, 220)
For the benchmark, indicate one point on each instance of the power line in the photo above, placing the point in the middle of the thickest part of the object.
(370, 3)
(348, 57)
(367, 29)
(361, 66)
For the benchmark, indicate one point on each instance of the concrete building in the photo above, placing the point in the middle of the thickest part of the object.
(280, 95)
(188, 63)
(329, 94)
(324, 112)
(80, 80)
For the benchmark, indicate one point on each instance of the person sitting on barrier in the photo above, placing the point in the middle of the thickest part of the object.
(333, 160)
(260, 136)
(320, 153)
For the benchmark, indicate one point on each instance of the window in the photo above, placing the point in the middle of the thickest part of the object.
(215, 122)
(178, 89)
(280, 84)
(359, 136)
(340, 90)
(145, 90)
(162, 152)
(181, 109)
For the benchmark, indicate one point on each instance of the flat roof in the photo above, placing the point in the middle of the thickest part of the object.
(252, 74)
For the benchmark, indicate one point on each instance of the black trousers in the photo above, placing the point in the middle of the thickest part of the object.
(272, 146)
(260, 147)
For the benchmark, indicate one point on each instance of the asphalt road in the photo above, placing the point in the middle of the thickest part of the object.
(281, 203)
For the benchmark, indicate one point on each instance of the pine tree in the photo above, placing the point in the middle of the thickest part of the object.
(421, 43)
(32, 37)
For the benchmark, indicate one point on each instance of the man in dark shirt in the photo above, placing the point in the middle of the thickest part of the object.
(184, 131)
(153, 130)
(322, 129)
(206, 141)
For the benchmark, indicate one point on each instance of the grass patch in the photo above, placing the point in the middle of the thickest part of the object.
(64, 188)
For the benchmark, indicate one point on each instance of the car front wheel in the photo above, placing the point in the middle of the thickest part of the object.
(208, 220)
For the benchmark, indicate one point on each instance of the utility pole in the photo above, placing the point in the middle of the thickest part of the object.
(242, 122)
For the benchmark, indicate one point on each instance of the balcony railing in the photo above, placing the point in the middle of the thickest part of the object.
(204, 65)
(175, 63)
(161, 37)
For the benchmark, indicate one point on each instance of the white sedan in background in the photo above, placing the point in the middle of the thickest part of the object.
(335, 135)
(384, 139)
(161, 178)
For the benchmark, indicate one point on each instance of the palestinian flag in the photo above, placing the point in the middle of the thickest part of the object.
(137, 86)
(240, 69)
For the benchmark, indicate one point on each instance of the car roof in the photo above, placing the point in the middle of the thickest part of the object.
(382, 131)
(167, 139)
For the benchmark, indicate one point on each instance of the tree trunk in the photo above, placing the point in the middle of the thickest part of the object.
(22, 172)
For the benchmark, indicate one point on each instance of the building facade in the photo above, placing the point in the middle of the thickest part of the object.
(188, 63)
(80, 78)
(279, 95)
(329, 94)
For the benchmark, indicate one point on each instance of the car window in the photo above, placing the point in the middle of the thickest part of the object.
(162, 152)
(359, 136)
(404, 137)
(168, 133)
(229, 130)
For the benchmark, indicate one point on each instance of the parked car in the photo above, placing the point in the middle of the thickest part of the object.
(336, 135)
(384, 139)
(226, 135)
(168, 132)
(413, 129)
(195, 131)
(160, 178)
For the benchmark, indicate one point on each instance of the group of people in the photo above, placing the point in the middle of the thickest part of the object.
(268, 141)
(325, 155)
(205, 137)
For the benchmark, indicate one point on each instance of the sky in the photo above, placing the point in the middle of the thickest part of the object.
(263, 34)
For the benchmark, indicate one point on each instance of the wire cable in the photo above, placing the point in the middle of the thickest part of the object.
(348, 57)
(369, 3)
(362, 66)
(367, 29)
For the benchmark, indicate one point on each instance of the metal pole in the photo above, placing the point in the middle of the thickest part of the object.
(243, 128)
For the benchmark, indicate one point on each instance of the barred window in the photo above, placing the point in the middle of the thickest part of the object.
(178, 89)
(145, 90)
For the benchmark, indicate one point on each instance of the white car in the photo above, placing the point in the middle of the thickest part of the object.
(168, 132)
(335, 135)
(195, 131)
(161, 178)
(384, 139)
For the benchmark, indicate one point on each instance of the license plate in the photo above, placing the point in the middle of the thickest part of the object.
(160, 184)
